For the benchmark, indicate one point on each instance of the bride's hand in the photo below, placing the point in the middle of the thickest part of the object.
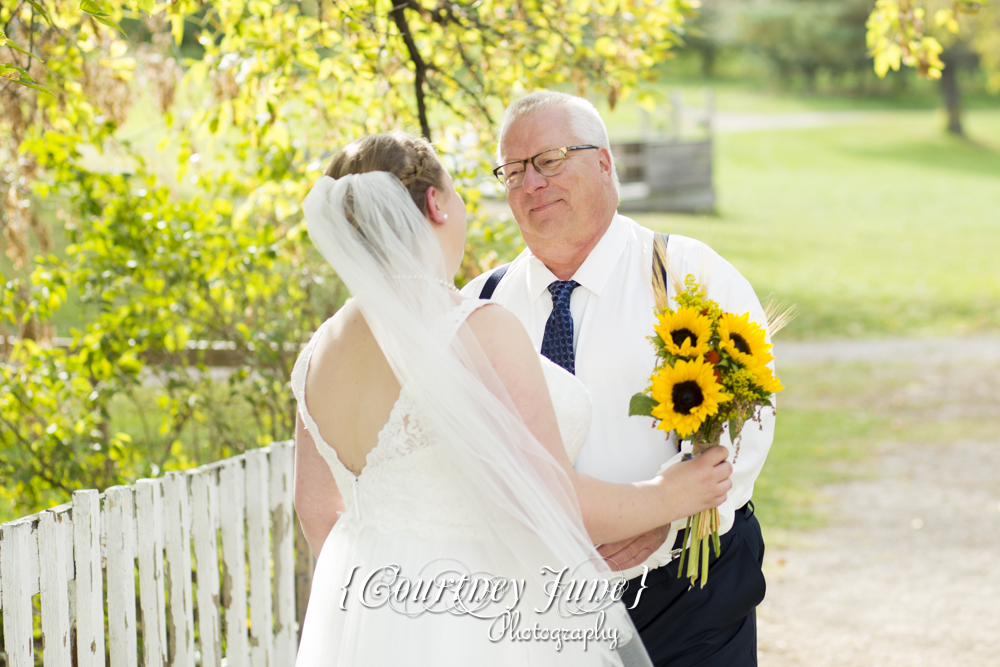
(701, 483)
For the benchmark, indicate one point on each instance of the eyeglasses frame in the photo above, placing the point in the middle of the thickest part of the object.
(565, 150)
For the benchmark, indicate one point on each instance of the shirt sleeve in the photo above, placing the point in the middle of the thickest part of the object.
(734, 294)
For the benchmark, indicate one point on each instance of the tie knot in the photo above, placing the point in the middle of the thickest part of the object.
(561, 291)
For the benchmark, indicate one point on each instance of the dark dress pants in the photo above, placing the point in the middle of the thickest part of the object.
(683, 626)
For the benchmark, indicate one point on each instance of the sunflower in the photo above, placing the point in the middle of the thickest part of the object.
(743, 340)
(766, 378)
(687, 394)
(684, 333)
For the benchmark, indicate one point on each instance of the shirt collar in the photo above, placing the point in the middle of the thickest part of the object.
(595, 271)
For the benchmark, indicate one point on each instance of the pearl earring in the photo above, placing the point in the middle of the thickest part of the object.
(444, 215)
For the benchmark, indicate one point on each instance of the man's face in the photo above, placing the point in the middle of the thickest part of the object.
(562, 213)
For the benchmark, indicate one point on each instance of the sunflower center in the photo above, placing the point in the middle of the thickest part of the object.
(681, 335)
(740, 343)
(687, 396)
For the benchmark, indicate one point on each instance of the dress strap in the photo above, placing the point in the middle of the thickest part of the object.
(301, 367)
(461, 313)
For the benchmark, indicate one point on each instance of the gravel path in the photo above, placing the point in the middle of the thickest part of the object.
(908, 576)
(950, 350)
(907, 570)
(726, 122)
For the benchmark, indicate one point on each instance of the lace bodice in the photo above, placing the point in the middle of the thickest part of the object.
(401, 485)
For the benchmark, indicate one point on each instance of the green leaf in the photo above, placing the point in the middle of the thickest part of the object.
(41, 10)
(108, 22)
(7, 42)
(98, 14)
(92, 8)
(735, 426)
(146, 6)
(19, 76)
(641, 405)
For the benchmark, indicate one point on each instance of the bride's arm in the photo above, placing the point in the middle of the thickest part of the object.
(611, 512)
(317, 498)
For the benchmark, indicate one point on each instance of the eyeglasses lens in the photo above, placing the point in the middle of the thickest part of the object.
(548, 163)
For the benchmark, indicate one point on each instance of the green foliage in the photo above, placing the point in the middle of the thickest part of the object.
(202, 240)
(899, 33)
(807, 37)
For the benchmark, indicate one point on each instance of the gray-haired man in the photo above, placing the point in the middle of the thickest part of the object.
(562, 187)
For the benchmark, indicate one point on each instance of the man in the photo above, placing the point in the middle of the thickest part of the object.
(583, 289)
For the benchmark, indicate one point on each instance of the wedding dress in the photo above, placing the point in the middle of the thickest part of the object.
(461, 541)
(402, 510)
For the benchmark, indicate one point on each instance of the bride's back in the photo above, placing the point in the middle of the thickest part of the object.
(350, 387)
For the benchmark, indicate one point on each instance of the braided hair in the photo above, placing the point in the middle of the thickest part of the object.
(410, 158)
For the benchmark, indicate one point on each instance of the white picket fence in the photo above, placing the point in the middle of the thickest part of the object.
(236, 516)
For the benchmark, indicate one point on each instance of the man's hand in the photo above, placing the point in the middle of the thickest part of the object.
(634, 550)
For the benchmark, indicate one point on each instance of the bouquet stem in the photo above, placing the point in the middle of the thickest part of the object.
(701, 529)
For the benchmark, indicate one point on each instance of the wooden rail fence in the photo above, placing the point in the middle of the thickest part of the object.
(669, 167)
(84, 559)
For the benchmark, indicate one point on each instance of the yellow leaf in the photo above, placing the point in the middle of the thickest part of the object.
(279, 134)
(177, 28)
(605, 46)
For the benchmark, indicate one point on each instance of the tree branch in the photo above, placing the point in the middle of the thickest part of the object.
(472, 94)
(398, 15)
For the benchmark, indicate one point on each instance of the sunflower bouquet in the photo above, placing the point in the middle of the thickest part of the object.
(711, 371)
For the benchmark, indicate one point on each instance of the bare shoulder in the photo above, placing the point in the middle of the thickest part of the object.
(496, 328)
(347, 329)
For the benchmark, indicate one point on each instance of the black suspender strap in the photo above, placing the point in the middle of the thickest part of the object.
(660, 270)
(491, 283)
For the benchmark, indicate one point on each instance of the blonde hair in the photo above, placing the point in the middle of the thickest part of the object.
(409, 158)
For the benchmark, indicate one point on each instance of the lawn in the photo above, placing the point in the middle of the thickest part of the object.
(886, 227)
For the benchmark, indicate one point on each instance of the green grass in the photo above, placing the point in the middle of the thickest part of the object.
(834, 420)
(883, 228)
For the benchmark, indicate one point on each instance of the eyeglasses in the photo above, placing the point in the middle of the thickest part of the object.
(547, 163)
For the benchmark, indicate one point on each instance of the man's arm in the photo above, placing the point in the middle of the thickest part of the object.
(734, 294)
(635, 550)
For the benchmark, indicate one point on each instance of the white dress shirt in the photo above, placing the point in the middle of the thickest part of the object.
(613, 318)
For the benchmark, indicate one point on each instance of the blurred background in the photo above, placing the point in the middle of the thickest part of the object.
(156, 282)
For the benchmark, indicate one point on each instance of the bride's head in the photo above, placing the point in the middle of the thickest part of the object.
(413, 161)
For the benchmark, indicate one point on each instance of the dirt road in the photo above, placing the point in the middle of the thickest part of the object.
(906, 572)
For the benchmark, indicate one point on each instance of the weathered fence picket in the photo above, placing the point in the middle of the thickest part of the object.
(54, 575)
(89, 578)
(18, 583)
(234, 581)
(177, 529)
(258, 511)
(152, 596)
(241, 506)
(283, 556)
(120, 547)
(206, 553)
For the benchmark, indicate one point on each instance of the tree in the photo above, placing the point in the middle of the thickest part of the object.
(213, 248)
(806, 36)
(962, 32)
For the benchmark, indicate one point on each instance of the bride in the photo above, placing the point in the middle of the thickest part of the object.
(434, 449)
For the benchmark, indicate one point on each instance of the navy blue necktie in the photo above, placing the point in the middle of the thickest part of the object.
(557, 343)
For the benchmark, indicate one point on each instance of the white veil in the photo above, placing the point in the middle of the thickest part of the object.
(382, 247)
